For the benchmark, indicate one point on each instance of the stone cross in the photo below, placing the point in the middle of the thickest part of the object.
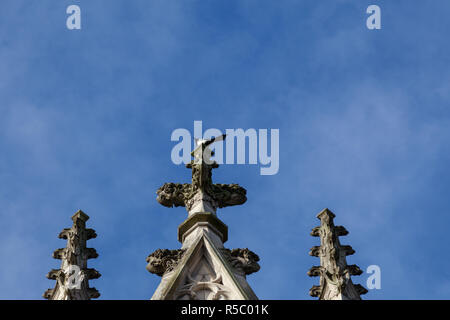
(201, 195)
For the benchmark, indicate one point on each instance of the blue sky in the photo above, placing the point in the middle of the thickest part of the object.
(364, 119)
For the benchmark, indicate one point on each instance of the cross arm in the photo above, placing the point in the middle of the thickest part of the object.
(228, 194)
(174, 194)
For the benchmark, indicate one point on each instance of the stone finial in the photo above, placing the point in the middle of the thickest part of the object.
(201, 195)
(335, 274)
(73, 276)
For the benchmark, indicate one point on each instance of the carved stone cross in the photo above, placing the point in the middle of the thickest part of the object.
(201, 195)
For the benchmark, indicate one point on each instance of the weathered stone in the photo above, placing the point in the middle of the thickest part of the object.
(335, 274)
(201, 195)
(206, 273)
(202, 269)
(243, 260)
(72, 278)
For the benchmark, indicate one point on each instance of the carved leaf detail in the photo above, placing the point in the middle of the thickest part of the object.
(315, 251)
(72, 279)
(164, 260)
(243, 260)
(316, 271)
(335, 274)
(315, 232)
(315, 291)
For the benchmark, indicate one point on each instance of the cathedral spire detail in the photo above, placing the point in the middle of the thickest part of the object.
(202, 269)
(72, 279)
(335, 274)
(201, 195)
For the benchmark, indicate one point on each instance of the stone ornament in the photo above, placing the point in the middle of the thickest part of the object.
(201, 195)
(164, 260)
(243, 260)
(209, 289)
(72, 279)
(335, 274)
(202, 269)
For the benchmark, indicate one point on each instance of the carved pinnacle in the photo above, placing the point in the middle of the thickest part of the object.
(72, 278)
(335, 281)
